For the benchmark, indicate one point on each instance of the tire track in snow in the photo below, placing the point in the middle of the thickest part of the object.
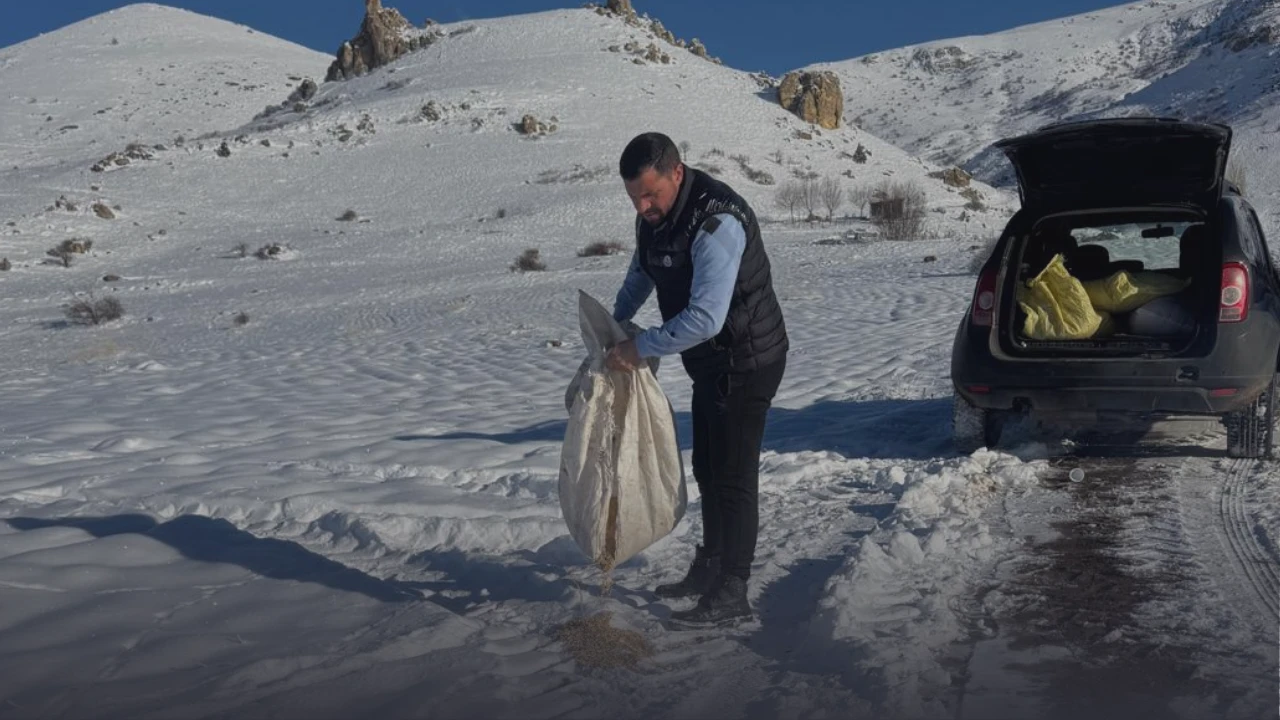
(1251, 559)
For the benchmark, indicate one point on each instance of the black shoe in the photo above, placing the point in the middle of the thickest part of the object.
(725, 604)
(702, 573)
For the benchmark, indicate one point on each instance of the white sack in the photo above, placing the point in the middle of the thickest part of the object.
(632, 330)
(622, 484)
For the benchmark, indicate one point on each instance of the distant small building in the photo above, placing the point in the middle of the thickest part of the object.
(888, 209)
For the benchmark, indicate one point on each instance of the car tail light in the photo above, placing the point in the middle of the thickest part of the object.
(984, 299)
(1234, 303)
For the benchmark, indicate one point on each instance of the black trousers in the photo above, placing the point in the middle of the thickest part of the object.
(729, 413)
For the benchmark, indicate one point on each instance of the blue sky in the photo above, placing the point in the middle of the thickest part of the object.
(746, 34)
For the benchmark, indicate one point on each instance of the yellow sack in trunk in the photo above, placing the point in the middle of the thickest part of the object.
(1057, 306)
(1125, 291)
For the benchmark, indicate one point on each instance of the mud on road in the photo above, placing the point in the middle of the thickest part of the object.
(1146, 589)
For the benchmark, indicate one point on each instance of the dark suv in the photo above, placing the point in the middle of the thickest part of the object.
(1119, 204)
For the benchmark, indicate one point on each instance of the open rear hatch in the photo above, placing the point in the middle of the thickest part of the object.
(1130, 162)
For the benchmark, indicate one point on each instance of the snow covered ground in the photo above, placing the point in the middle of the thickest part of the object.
(324, 485)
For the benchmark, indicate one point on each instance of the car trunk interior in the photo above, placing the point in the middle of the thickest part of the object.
(1118, 283)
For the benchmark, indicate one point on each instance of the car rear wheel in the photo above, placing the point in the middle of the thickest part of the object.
(1251, 431)
(973, 428)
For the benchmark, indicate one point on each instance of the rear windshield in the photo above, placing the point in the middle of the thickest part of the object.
(1096, 247)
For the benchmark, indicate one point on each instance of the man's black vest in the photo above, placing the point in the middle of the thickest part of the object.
(754, 334)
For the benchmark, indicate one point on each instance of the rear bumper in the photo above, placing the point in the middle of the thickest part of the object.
(1226, 380)
(1111, 398)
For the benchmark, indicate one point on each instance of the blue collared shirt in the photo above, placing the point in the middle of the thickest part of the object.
(716, 257)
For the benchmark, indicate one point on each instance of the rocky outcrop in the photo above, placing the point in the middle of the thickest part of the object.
(658, 29)
(814, 97)
(953, 177)
(306, 90)
(532, 126)
(132, 152)
(942, 59)
(640, 53)
(1262, 35)
(623, 10)
(383, 38)
(621, 7)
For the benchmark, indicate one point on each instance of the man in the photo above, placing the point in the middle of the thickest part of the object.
(698, 244)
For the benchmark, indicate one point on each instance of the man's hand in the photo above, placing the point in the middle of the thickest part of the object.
(623, 356)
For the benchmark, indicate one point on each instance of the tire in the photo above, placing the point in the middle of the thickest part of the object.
(1251, 431)
(973, 428)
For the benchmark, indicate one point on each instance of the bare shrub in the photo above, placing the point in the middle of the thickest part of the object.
(89, 310)
(789, 197)
(898, 209)
(348, 216)
(832, 196)
(602, 248)
(859, 196)
(66, 251)
(810, 196)
(529, 261)
(269, 252)
(5, 265)
(974, 199)
(241, 319)
(760, 177)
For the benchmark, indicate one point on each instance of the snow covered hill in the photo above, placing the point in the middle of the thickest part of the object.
(1215, 60)
(141, 74)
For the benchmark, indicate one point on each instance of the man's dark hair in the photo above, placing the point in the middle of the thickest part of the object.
(649, 150)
